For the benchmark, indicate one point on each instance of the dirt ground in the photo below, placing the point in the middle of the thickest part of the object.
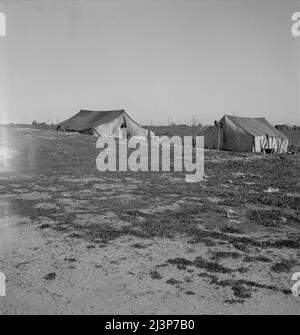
(75, 240)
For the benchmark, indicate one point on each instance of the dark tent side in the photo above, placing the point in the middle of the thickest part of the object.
(115, 123)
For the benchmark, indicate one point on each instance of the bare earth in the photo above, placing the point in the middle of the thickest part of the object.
(75, 240)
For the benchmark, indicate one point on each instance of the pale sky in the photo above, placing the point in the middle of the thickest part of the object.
(156, 59)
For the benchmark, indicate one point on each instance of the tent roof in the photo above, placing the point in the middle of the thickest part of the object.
(86, 119)
(257, 126)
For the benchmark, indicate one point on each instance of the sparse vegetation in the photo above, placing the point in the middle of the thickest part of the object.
(223, 234)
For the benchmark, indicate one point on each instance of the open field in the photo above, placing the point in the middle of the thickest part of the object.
(75, 240)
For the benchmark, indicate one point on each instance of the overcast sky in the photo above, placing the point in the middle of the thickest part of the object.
(156, 59)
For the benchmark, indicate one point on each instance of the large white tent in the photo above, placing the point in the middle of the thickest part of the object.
(244, 134)
(115, 123)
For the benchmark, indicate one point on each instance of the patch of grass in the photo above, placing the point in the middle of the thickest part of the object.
(50, 276)
(91, 246)
(207, 241)
(189, 292)
(60, 228)
(114, 262)
(234, 301)
(225, 254)
(188, 279)
(138, 246)
(44, 226)
(71, 259)
(207, 275)
(161, 265)
(257, 259)
(241, 291)
(241, 246)
(271, 199)
(288, 243)
(200, 262)
(265, 218)
(180, 261)
(284, 266)
(231, 230)
(211, 266)
(100, 232)
(134, 212)
(243, 243)
(173, 281)
(154, 274)
(242, 282)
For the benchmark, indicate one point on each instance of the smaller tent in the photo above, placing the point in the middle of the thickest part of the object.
(115, 123)
(244, 134)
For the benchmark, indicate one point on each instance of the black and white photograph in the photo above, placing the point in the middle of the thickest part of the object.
(150, 160)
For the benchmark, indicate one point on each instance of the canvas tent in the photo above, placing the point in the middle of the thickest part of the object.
(115, 123)
(244, 134)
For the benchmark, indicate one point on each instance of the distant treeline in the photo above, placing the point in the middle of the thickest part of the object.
(285, 127)
(36, 125)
